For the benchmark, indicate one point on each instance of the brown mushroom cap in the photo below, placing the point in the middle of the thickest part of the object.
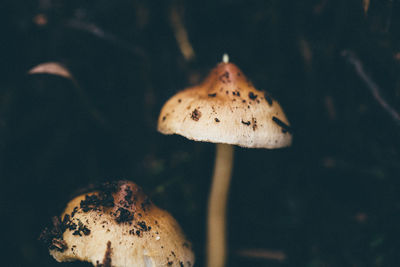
(118, 226)
(226, 108)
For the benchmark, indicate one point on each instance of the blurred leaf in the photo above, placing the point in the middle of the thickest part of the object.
(52, 68)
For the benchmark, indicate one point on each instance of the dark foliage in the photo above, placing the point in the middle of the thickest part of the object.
(332, 199)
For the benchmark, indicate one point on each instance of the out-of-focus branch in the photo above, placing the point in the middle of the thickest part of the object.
(372, 86)
(181, 34)
(262, 254)
(104, 35)
(366, 6)
(134, 50)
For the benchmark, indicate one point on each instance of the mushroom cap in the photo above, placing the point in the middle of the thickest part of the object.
(119, 226)
(226, 108)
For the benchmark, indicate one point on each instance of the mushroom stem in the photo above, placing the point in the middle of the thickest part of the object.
(216, 234)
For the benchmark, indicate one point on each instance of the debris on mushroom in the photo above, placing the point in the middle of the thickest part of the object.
(117, 225)
(228, 95)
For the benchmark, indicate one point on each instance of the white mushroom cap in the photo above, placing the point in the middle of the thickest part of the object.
(226, 108)
(118, 226)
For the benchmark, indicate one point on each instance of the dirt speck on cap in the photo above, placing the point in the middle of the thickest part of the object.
(107, 257)
(247, 123)
(252, 96)
(254, 123)
(285, 128)
(196, 114)
(268, 98)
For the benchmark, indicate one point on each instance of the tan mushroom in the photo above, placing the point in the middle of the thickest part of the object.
(118, 226)
(225, 109)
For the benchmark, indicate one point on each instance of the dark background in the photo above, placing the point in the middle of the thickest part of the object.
(332, 199)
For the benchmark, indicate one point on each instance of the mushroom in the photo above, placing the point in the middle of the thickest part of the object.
(225, 109)
(117, 225)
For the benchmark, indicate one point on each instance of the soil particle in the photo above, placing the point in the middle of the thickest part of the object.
(53, 237)
(254, 123)
(268, 98)
(224, 78)
(252, 96)
(82, 229)
(196, 114)
(146, 204)
(74, 211)
(285, 128)
(247, 123)
(128, 196)
(123, 215)
(143, 225)
(237, 93)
